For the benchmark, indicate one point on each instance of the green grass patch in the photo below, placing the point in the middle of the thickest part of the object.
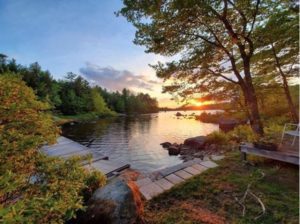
(212, 196)
(62, 119)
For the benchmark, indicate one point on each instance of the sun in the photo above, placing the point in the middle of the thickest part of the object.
(196, 103)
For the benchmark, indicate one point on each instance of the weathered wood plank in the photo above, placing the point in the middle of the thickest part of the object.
(143, 182)
(151, 190)
(199, 167)
(192, 170)
(164, 184)
(174, 179)
(276, 155)
(66, 148)
(183, 174)
(208, 164)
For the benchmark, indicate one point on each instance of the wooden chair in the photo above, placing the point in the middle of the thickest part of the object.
(291, 130)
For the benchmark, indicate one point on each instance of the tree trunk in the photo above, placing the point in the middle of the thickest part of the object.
(292, 107)
(251, 100)
(253, 112)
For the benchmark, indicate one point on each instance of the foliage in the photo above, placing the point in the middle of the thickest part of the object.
(34, 188)
(74, 95)
(99, 104)
(215, 39)
(217, 137)
(129, 103)
(210, 196)
(280, 48)
(273, 133)
(242, 133)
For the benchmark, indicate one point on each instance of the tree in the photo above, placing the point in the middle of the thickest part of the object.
(213, 38)
(99, 104)
(35, 188)
(279, 47)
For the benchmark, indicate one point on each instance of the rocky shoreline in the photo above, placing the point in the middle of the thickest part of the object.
(196, 147)
(120, 201)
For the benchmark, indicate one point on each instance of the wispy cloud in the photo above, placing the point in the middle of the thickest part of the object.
(114, 79)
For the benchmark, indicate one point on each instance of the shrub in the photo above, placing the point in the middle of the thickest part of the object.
(217, 137)
(273, 133)
(242, 133)
(34, 188)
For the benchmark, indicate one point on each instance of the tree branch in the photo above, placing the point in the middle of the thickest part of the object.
(254, 17)
(222, 76)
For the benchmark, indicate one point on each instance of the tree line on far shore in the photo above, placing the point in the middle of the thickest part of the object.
(74, 95)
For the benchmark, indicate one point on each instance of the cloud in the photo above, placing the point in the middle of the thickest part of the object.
(114, 79)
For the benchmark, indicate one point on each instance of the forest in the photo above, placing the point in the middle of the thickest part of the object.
(74, 95)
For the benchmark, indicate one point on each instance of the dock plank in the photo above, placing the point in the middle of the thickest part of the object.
(66, 148)
(174, 179)
(183, 174)
(192, 170)
(164, 184)
(151, 190)
(276, 155)
(208, 164)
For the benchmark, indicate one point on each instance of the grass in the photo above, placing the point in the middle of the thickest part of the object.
(62, 119)
(210, 197)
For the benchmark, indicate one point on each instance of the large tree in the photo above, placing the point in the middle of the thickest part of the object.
(278, 51)
(214, 39)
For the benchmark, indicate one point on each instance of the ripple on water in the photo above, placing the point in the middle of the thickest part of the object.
(136, 140)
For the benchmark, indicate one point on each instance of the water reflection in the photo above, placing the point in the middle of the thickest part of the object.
(136, 140)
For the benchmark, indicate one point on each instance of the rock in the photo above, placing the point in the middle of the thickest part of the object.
(174, 150)
(115, 203)
(166, 144)
(228, 124)
(178, 114)
(196, 142)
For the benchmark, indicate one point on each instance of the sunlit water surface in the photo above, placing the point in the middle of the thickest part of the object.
(136, 140)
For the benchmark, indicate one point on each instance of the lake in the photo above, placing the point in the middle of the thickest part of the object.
(136, 140)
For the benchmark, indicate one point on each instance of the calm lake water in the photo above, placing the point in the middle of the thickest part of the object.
(136, 140)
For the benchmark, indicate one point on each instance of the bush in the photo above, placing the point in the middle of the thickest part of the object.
(217, 137)
(273, 133)
(242, 133)
(35, 188)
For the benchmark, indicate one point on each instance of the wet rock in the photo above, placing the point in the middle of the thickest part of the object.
(115, 203)
(195, 142)
(173, 150)
(166, 144)
(178, 114)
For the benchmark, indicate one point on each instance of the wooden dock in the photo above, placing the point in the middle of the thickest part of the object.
(66, 148)
(162, 180)
(280, 155)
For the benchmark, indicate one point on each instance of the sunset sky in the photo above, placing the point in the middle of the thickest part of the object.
(84, 37)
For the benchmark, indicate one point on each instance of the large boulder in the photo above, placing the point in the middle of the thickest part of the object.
(174, 150)
(117, 202)
(195, 142)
